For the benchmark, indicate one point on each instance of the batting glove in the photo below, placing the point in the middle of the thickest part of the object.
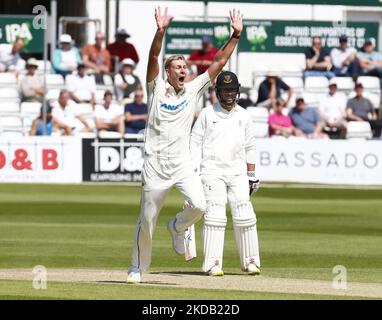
(254, 184)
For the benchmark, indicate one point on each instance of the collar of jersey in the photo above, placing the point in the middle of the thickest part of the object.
(223, 112)
(171, 89)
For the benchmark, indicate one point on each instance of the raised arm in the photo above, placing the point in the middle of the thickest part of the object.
(163, 21)
(225, 52)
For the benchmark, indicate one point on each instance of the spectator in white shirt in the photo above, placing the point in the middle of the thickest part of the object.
(65, 117)
(32, 85)
(345, 61)
(109, 116)
(333, 110)
(10, 59)
(126, 82)
(81, 87)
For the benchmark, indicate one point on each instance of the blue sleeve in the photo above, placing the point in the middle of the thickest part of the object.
(78, 56)
(56, 61)
(317, 116)
(283, 85)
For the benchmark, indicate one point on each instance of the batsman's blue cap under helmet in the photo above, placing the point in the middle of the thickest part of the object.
(227, 80)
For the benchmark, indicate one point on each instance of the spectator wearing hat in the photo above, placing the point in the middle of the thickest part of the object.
(97, 58)
(67, 57)
(81, 87)
(307, 121)
(37, 128)
(271, 89)
(203, 58)
(126, 82)
(360, 108)
(10, 59)
(279, 123)
(332, 110)
(32, 85)
(345, 61)
(109, 116)
(120, 49)
(136, 113)
(318, 61)
(370, 60)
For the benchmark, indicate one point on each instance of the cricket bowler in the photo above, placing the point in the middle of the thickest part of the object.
(172, 105)
(223, 143)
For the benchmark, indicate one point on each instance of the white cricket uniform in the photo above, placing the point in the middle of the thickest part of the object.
(167, 160)
(223, 143)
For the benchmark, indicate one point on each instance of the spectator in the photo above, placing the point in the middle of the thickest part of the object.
(10, 59)
(360, 108)
(318, 62)
(203, 58)
(66, 58)
(280, 124)
(270, 90)
(307, 121)
(108, 117)
(136, 113)
(120, 49)
(345, 61)
(126, 82)
(332, 109)
(64, 116)
(97, 58)
(32, 85)
(81, 87)
(370, 60)
(37, 128)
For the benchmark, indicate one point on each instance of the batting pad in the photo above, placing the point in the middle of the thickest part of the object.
(213, 236)
(244, 224)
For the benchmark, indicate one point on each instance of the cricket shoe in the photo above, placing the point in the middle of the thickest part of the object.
(253, 269)
(216, 271)
(133, 276)
(177, 238)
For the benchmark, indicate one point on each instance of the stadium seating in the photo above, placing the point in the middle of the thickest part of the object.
(345, 84)
(371, 84)
(55, 81)
(40, 68)
(109, 134)
(9, 95)
(316, 84)
(258, 114)
(375, 98)
(8, 79)
(11, 126)
(359, 130)
(7, 108)
(295, 83)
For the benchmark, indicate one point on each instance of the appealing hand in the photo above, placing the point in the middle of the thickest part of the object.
(236, 21)
(162, 20)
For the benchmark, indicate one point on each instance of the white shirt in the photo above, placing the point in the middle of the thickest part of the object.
(8, 60)
(66, 116)
(106, 115)
(68, 58)
(338, 56)
(170, 116)
(333, 106)
(223, 142)
(82, 87)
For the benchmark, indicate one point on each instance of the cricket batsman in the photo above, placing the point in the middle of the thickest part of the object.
(222, 141)
(172, 105)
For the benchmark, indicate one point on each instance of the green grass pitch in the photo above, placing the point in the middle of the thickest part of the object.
(303, 234)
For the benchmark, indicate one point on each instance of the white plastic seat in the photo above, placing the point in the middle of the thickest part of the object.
(316, 84)
(89, 135)
(295, 83)
(8, 79)
(99, 96)
(10, 123)
(260, 129)
(52, 95)
(30, 109)
(83, 109)
(258, 114)
(109, 135)
(40, 66)
(313, 99)
(370, 83)
(359, 130)
(11, 134)
(55, 81)
(9, 107)
(9, 95)
(344, 83)
(258, 81)
(107, 80)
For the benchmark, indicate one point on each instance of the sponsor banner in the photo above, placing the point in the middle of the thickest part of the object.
(185, 37)
(40, 160)
(319, 161)
(116, 160)
(296, 36)
(12, 27)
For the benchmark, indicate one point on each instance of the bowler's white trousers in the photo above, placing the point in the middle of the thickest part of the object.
(158, 177)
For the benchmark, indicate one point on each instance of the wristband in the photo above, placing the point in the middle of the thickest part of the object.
(251, 174)
(234, 36)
